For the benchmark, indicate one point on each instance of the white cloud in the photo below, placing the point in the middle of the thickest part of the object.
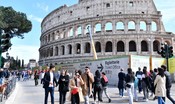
(43, 7)
(35, 18)
(24, 52)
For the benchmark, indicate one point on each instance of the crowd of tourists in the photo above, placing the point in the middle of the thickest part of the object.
(157, 82)
(81, 87)
(154, 84)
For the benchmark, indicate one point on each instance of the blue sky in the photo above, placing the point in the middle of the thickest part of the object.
(36, 10)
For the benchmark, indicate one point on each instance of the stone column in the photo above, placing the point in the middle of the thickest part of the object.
(82, 47)
(83, 30)
(113, 26)
(137, 26)
(114, 47)
(103, 27)
(74, 31)
(148, 27)
(126, 46)
(138, 46)
(126, 27)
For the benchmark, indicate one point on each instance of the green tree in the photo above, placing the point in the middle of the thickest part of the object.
(22, 63)
(14, 23)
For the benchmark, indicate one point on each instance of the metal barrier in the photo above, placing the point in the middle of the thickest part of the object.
(7, 88)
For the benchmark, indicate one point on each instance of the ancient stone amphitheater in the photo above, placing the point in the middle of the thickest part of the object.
(118, 27)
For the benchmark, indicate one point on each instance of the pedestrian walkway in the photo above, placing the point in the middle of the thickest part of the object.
(27, 93)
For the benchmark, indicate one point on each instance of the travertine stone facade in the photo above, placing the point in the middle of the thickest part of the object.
(119, 27)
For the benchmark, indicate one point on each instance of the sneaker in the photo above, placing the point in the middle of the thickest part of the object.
(109, 100)
(146, 100)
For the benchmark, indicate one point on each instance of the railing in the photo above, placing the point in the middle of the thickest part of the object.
(7, 88)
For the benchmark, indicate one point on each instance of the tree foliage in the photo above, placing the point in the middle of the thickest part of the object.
(14, 23)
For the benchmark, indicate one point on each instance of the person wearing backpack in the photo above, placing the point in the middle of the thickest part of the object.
(104, 82)
(168, 83)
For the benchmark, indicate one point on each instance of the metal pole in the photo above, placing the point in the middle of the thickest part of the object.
(92, 42)
(166, 55)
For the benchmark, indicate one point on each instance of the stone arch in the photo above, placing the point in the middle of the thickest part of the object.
(78, 48)
(142, 26)
(144, 46)
(108, 27)
(120, 46)
(69, 49)
(86, 28)
(131, 26)
(108, 47)
(70, 32)
(120, 26)
(167, 42)
(51, 51)
(156, 45)
(98, 28)
(56, 51)
(79, 30)
(153, 26)
(98, 47)
(53, 36)
(62, 50)
(132, 46)
(87, 47)
(49, 38)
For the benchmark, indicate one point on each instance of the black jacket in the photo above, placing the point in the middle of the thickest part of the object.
(63, 85)
(46, 80)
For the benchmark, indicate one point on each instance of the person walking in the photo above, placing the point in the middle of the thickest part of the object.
(121, 82)
(130, 84)
(36, 77)
(104, 82)
(160, 89)
(168, 83)
(76, 91)
(139, 77)
(88, 79)
(63, 86)
(97, 86)
(145, 84)
(49, 84)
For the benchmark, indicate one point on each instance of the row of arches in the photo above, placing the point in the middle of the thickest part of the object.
(99, 27)
(86, 48)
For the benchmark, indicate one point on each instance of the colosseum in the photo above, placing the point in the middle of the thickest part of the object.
(118, 27)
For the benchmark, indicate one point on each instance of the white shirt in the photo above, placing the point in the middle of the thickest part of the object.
(51, 79)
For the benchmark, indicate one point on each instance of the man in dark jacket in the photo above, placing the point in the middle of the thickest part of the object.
(49, 83)
(121, 82)
(168, 83)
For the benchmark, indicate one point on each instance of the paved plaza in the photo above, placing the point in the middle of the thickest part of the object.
(27, 93)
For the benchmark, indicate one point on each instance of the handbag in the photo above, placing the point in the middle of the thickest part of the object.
(74, 91)
(128, 85)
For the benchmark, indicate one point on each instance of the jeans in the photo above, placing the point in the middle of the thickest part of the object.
(47, 90)
(135, 94)
(98, 90)
(121, 90)
(86, 98)
(145, 90)
(169, 96)
(62, 97)
(161, 100)
(105, 91)
(75, 99)
(130, 92)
